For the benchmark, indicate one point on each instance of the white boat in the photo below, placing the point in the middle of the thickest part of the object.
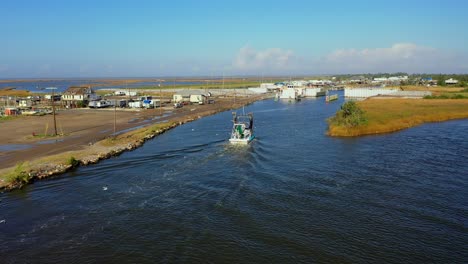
(242, 130)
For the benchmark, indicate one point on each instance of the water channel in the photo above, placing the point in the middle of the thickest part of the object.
(294, 195)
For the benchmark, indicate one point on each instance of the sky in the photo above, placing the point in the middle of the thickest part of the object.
(57, 39)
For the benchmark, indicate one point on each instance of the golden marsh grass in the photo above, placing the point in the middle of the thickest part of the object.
(388, 115)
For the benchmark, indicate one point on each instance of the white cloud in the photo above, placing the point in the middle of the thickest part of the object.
(269, 60)
(405, 57)
(400, 57)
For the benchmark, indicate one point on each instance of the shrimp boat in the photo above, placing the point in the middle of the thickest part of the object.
(242, 130)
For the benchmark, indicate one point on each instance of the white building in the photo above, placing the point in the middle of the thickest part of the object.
(313, 92)
(259, 90)
(320, 82)
(197, 98)
(269, 86)
(78, 94)
(380, 79)
(288, 93)
(366, 92)
(451, 81)
(190, 96)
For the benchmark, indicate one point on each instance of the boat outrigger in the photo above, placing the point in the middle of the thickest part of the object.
(242, 130)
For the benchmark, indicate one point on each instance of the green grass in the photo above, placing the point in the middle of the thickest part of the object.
(209, 85)
(19, 176)
(350, 115)
(452, 95)
(7, 118)
(73, 162)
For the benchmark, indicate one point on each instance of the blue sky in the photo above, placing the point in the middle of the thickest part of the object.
(174, 38)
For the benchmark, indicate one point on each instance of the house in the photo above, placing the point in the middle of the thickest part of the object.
(197, 98)
(153, 103)
(78, 96)
(314, 92)
(428, 81)
(270, 86)
(11, 111)
(380, 80)
(25, 103)
(189, 96)
(357, 80)
(451, 81)
(136, 104)
(259, 90)
(288, 93)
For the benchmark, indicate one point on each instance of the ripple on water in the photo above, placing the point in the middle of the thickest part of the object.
(293, 195)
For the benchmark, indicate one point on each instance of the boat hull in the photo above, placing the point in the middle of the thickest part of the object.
(241, 141)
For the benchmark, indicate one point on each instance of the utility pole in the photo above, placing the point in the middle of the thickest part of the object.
(53, 108)
(160, 99)
(115, 115)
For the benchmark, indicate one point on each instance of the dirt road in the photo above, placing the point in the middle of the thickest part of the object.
(22, 139)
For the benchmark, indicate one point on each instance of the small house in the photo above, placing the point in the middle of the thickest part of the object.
(451, 81)
(78, 95)
(197, 98)
(136, 104)
(288, 93)
(9, 111)
(152, 103)
(25, 103)
(189, 96)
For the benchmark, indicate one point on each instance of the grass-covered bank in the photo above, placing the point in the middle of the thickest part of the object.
(388, 115)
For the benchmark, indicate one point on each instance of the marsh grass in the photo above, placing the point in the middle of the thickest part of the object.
(73, 162)
(7, 118)
(19, 176)
(388, 115)
(132, 136)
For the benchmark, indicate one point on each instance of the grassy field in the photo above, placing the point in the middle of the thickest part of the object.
(19, 93)
(388, 115)
(208, 85)
(436, 90)
(7, 118)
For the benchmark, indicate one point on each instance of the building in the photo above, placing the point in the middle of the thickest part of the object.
(189, 96)
(76, 96)
(9, 111)
(313, 92)
(357, 80)
(25, 103)
(197, 98)
(451, 81)
(270, 86)
(318, 83)
(288, 93)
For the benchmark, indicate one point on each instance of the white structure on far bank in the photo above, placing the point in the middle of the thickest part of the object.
(451, 81)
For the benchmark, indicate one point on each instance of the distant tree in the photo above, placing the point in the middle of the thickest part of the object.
(350, 115)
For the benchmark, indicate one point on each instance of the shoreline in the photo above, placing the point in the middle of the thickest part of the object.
(397, 114)
(24, 173)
